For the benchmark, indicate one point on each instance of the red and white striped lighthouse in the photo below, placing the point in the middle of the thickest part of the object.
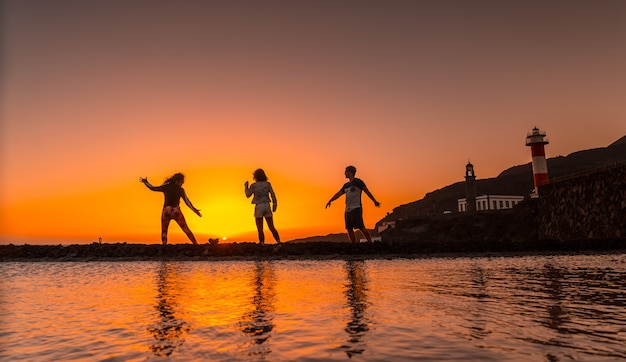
(536, 140)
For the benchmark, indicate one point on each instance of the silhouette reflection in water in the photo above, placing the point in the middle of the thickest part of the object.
(477, 289)
(258, 323)
(556, 314)
(553, 289)
(355, 291)
(168, 331)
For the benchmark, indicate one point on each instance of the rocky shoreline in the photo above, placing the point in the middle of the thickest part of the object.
(286, 251)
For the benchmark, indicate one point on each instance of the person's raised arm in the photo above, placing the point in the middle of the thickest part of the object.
(188, 203)
(369, 194)
(273, 198)
(335, 197)
(145, 181)
(247, 189)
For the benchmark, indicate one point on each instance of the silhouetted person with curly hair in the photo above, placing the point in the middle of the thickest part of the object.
(173, 191)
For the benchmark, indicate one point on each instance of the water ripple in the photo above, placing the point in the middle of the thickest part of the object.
(544, 308)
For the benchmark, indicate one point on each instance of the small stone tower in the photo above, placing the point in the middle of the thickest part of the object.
(470, 187)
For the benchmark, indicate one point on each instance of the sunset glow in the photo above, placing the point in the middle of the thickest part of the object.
(97, 94)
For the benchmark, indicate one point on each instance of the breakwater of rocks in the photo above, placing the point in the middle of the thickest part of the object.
(287, 251)
(126, 251)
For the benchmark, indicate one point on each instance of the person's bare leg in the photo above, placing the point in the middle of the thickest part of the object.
(367, 235)
(351, 236)
(183, 225)
(270, 225)
(165, 223)
(259, 228)
(190, 235)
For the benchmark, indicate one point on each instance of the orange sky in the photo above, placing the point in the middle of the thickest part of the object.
(96, 94)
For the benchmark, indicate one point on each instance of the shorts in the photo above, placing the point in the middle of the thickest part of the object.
(354, 219)
(173, 213)
(262, 210)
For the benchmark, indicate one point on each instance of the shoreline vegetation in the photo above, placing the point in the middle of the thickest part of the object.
(286, 251)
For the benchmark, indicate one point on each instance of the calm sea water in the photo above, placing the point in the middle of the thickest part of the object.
(541, 308)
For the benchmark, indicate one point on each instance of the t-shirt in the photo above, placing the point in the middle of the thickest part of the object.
(262, 191)
(353, 193)
(172, 193)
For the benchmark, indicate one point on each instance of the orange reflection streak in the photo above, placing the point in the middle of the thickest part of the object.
(258, 322)
(195, 305)
(217, 296)
(169, 330)
(356, 295)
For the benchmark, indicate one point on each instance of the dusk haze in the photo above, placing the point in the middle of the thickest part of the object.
(96, 94)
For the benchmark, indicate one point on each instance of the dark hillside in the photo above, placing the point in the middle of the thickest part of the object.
(517, 180)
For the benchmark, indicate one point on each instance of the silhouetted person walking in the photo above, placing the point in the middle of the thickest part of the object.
(354, 208)
(173, 191)
(263, 194)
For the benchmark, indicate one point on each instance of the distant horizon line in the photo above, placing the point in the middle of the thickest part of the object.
(25, 240)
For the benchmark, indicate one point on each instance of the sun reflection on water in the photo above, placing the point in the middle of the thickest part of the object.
(499, 309)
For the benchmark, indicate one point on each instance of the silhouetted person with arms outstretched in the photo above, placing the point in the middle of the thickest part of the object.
(354, 209)
(173, 190)
(263, 194)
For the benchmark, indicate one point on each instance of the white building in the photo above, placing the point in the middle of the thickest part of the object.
(491, 202)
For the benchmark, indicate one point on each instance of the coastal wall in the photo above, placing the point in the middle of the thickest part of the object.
(587, 207)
